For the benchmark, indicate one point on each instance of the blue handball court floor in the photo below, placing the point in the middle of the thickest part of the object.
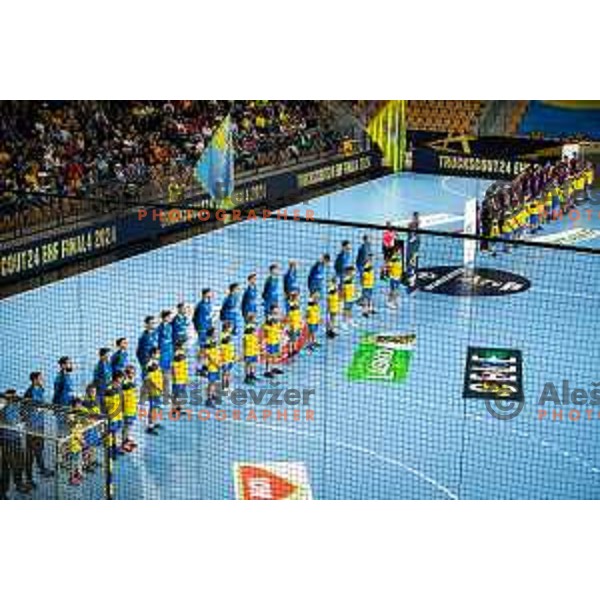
(418, 438)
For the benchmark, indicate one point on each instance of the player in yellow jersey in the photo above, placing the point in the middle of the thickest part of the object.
(90, 400)
(368, 283)
(250, 349)
(113, 410)
(90, 406)
(569, 194)
(520, 219)
(75, 447)
(333, 307)
(588, 180)
(348, 294)
(181, 376)
(494, 233)
(581, 184)
(548, 206)
(395, 279)
(294, 322)
(130, 408)
(227, 355)
(272, 334)
(313, 320)
(212, 355)
(153, 382)
(534, 218)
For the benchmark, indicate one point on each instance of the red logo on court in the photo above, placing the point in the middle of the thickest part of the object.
(272, 481)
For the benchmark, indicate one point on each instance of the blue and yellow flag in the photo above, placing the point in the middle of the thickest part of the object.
(214, 170)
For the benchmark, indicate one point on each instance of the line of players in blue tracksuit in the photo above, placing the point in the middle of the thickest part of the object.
(117, 388)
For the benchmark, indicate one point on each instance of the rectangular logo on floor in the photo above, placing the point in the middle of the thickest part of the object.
(271, 481)
(382, 357)
(493, 373)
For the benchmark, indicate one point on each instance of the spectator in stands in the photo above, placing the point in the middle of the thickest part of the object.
(78, 147)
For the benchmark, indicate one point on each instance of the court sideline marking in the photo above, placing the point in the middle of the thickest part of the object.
(419, 474)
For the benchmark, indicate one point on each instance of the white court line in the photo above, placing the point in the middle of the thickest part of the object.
(452, 190)
(419, 474)
(460, 193)
(577, 457)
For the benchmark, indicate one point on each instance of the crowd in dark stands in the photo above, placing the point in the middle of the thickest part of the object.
(77, 147)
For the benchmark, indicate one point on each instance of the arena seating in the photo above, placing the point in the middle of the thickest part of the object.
(72, 147)
(452, 116)
(142, 149)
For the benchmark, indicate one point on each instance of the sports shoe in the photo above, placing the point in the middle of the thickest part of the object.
(128, 446)
(76, 478)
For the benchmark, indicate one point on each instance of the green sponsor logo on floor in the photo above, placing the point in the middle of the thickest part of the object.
(382, 357)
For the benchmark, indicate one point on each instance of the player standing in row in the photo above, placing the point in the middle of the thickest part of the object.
(202, 320)
(395, 272)
(212, 357)
(313, 320)
(34, 420)
(294, 320)
(167, 350)
(333, 307)
(367, 272)
(120, 358)
(181, 325)
(228, 356)
(271, 293)
(250, 298)
(272, 330)
(290, 280)
(317, 275)
(154, 386)
(250, 349)
(342, 262)
(229, 308)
